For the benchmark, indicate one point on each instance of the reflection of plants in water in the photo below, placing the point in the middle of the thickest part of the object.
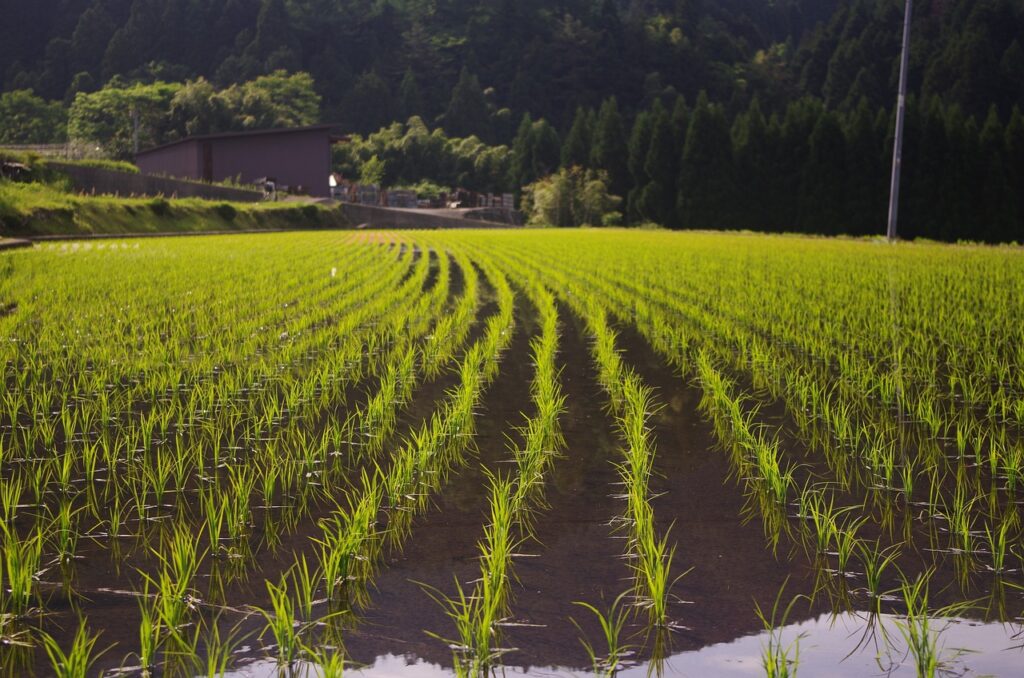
(779, 659)
(218, 650)
(875, 561)
(281, 623)
(922, 641)
(612, 623)
(916, 627)
(475, 645)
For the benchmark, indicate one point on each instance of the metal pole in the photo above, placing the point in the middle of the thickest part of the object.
(135, 129)
(901, 109)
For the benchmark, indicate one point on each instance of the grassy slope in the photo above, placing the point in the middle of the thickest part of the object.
(35, 209)
(46, 206)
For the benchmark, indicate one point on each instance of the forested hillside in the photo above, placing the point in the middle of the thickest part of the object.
(815, 78)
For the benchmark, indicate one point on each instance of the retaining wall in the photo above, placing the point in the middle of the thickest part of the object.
(383, 217)
(111, 182)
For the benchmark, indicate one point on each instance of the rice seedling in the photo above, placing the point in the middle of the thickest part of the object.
(874, 561)
(21, 564)
(282, 625)
(79, 658)
(182, 390)
(474, 645)
(779, 658)
(617, 653)
(916, 628)
(151, 632)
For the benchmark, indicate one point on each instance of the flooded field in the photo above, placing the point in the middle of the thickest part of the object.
(539, 453)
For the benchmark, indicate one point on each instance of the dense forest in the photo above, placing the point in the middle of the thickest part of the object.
(754, 113)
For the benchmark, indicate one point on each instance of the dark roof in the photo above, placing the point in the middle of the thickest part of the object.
(252, 133)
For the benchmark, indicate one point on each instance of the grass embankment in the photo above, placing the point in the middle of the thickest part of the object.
(45, 205)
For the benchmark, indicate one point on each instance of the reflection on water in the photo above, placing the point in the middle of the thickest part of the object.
(847, 645)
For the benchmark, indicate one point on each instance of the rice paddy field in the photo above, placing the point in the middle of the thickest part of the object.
(511, 452)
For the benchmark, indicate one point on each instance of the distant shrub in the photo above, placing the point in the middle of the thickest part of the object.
(311, 213)
(226, 211)
(160, 207)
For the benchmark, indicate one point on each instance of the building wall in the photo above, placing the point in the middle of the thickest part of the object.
(294, 159)
(179, 160)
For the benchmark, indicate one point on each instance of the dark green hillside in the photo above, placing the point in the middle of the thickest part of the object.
(791, 100)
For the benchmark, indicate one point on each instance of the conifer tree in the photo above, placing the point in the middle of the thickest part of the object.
(1014, 149)
(823, 189)
(578, 142)
(609, 151)
(658, 197)
(639, 144)
(865, 173)
(467, 109)
(522, 154)
(750, 153)
(706, 175)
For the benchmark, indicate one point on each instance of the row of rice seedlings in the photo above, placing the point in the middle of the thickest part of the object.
(376, 420)
(847, 542)
(632, 403)
(353, 537)
(880, 458)
(480, 612)
(757, 461)
(158, 477)
(122, 394)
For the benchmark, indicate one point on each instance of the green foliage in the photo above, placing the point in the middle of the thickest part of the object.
(372, 171)
(403, 155)
(571, 197)
(279, 99)
(467, 112)
(28, 119)
(167, 111)
(110, 117)
(115, 165)
(226, 211)
(160, 207)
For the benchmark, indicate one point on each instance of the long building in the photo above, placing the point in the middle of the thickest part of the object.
(298, 158)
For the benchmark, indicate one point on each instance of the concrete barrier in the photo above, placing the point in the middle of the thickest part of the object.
(384, 217)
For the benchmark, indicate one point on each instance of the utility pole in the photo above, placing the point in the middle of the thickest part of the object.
(901, 109)
(135, 129)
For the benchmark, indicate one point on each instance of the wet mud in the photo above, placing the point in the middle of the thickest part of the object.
(443, 546)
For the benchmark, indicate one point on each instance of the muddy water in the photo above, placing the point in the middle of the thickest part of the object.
(107, 581)
(733, 566)
(442, 546)
(576, 556)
